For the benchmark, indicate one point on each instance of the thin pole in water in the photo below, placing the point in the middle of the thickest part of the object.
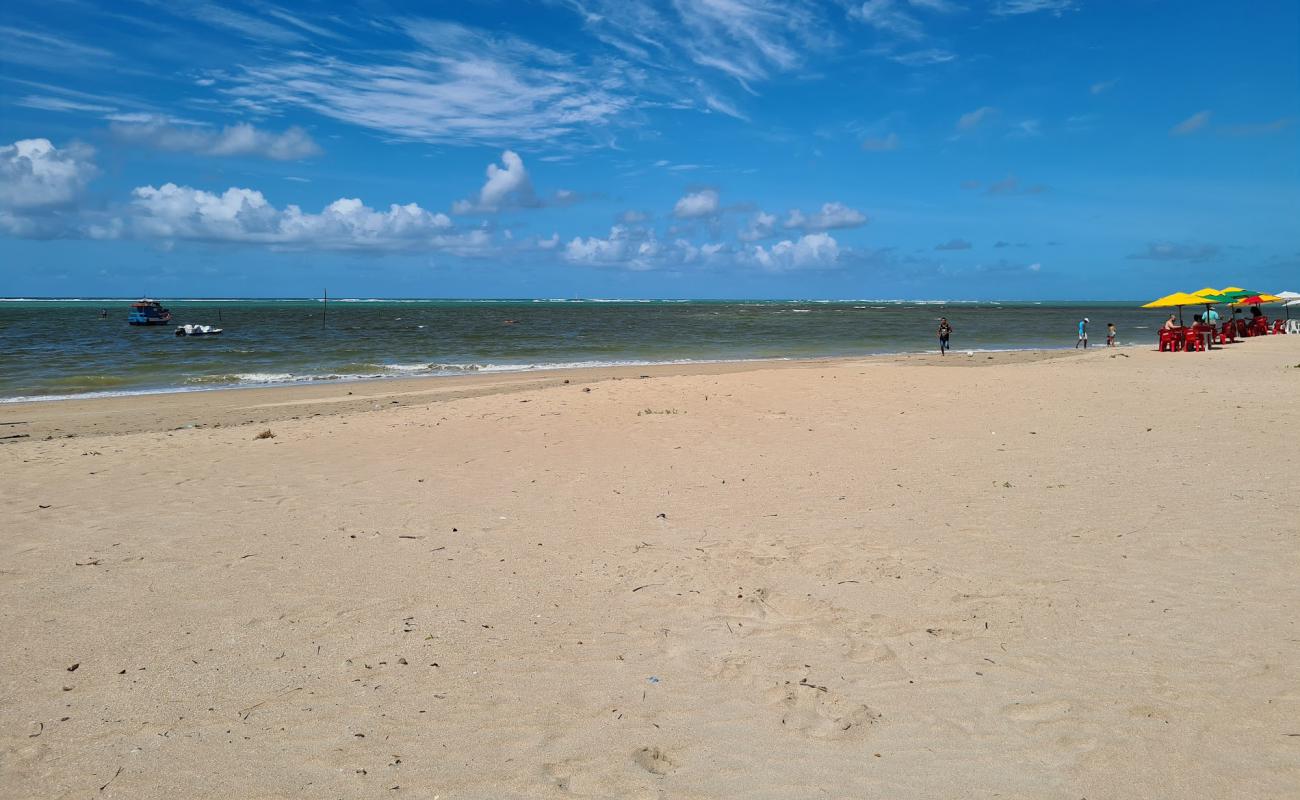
(325, 309)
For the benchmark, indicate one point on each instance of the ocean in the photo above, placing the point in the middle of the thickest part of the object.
(62, 348)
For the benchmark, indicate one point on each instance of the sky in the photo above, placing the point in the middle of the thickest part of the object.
(960, 149)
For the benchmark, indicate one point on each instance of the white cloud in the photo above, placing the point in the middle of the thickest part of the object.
(973, 119)
(506, 185)
(1013, 7)
(640, 249)
(762, 226)
(452, 84)
(811, 251)
(35, 174)
(889, 16)
(1191, 125)
(696, 205)
(234, 140)
(631, 248)
(924, 58)
(240, 215)
(831, 217)
(1101, 87)
(632, 217)
(41, 187)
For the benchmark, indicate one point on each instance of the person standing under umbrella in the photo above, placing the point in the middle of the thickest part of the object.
(1083, 334)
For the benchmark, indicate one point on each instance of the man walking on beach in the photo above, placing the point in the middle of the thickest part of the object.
(945, 330)
(1083, 334)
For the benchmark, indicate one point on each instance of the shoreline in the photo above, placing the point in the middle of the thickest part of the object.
(402, 372)
(223, 406)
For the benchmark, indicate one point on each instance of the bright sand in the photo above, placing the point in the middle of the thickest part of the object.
(1036, 577)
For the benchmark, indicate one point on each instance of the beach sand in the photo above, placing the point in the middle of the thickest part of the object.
(1047, 575)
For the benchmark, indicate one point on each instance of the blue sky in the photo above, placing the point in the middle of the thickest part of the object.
(590, 148)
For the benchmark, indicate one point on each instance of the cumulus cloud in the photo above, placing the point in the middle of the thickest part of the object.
(878, 144)
(633, 217)
(234, 140)
(1173, 251)
(506, 185)
(955, 244)
(1190, 125)
(40, 185)
(811, 251)
(697, 205)
(832, 216)
(761, 226)
(631, 248)
(240, 215)
(36, 174)
(973, 119)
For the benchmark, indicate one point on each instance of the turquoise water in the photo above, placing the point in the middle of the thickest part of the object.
(59, 348)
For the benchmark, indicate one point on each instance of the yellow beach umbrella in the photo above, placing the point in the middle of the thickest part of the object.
(1178, 299)
(1206, 292)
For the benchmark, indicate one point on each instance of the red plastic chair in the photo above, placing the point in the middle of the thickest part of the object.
(1168, 341)
(1194, 341)
(1228, 333)
(1279, 326)
(1260, 326)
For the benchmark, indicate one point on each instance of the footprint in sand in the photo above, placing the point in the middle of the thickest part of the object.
(1049, 711)
(654, 761)
(823, 715)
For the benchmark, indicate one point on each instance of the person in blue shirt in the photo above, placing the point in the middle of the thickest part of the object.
(1083, 334)
(1211, 317)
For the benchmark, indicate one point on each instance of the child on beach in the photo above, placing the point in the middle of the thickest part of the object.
(1110, 334)
(945, 330)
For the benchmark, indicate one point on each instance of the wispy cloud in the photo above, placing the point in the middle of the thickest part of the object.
(1009, 185)
(456, 85)
(1175, 251)
(1101, 87)
(879, 144)
(242, 139)
(1014, 7)
(1257, 128)
(973, 119)
(1191, 125)
(46, 50)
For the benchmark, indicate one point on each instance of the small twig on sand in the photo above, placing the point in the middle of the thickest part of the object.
(643, 586)
(110, 780)
(244, 712)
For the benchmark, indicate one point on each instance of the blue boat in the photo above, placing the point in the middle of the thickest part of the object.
(148, 312)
